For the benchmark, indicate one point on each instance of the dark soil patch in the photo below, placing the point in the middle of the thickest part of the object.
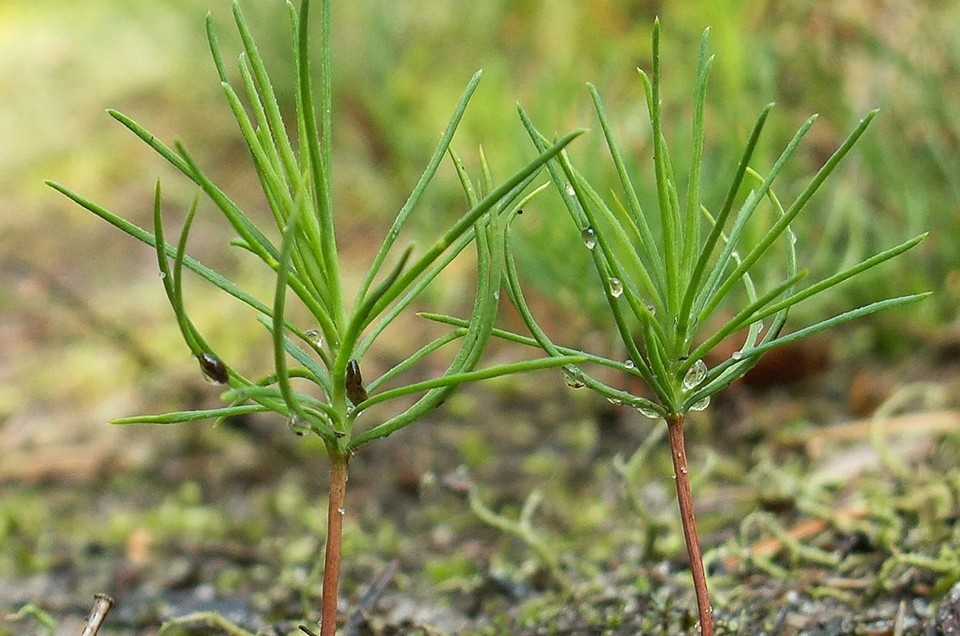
(807, 529)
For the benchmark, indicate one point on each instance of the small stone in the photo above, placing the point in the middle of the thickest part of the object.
(948, 614)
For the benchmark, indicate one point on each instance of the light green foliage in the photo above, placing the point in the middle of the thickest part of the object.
(295, 175)
(665, 275)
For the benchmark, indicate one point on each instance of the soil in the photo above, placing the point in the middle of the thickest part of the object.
(809, 527)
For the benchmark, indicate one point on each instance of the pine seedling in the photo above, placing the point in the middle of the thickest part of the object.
(317, 385)
(665, 276)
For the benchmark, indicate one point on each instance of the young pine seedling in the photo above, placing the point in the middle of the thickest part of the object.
(317, 385)
(665, 276)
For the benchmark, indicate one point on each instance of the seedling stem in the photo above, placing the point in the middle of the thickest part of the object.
(331, 567)
(687, 519)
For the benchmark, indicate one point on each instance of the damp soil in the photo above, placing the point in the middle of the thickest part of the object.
(819, 513)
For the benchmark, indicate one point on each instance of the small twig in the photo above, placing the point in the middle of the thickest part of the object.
(367, 601)
(101, 606)
(899, 620)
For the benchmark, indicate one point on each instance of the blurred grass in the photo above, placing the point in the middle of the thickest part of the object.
(839, 62)
(400, 66)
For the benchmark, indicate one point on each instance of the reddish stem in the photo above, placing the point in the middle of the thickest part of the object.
(331, 565)
(685, 499)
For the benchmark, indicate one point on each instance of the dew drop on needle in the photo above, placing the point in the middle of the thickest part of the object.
(616, 287)
(646, 411)
(695, 375)
(589, 237)
(700, 405)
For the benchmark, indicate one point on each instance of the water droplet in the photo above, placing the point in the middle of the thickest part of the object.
(792, 236)
(695, 375)
(163, 275)
(652, 309)
(737, 355)
(570, 191)
(616, 287)
(496, 295)
(628, 363)
(700, 405)
(315, 336)
(214, 370)
(684, 470)
(297, 427)
(589, 237)
(646, 411)
(615, 401)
